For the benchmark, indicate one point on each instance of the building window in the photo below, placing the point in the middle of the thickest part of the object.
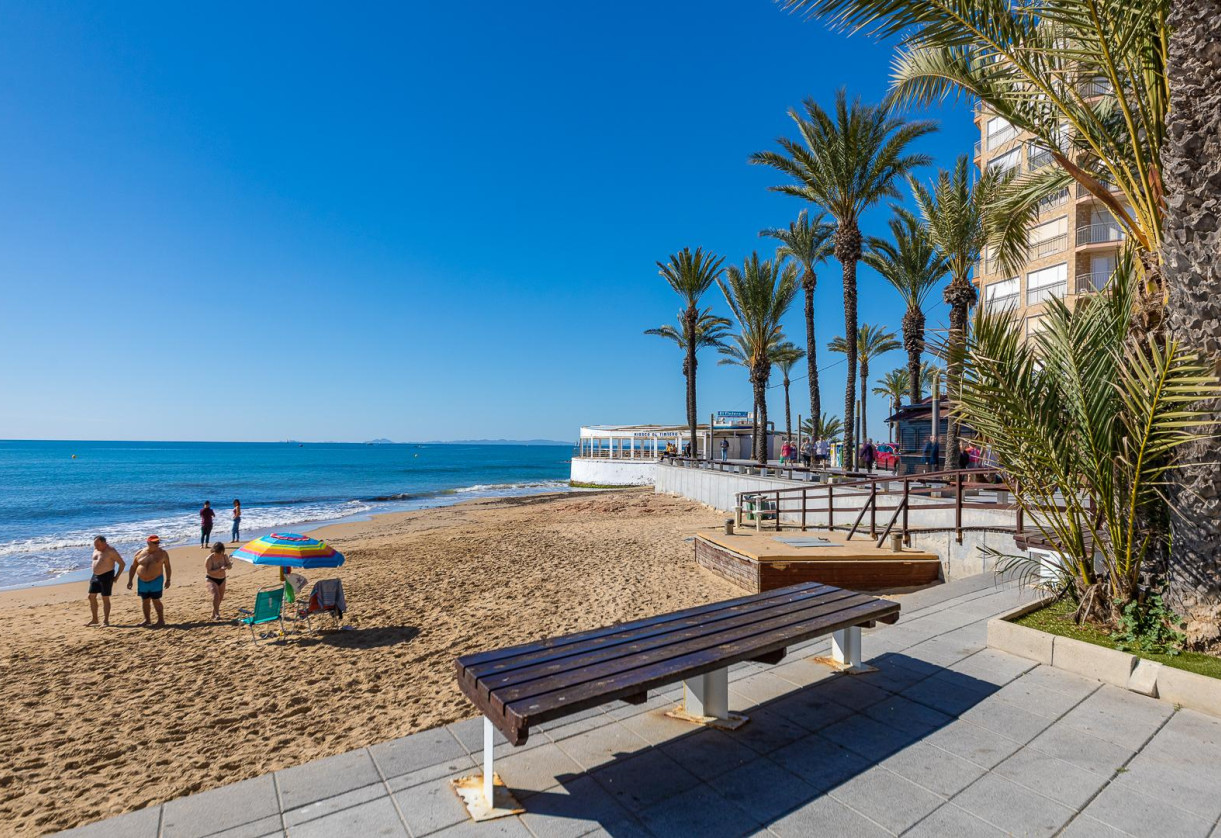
(1054, 200)
(1045, 283)
(1034, 325)
(1049, 237)
(1003, 294)
(1000, 131)
(1007, 161)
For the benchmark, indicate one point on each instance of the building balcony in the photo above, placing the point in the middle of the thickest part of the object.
(1084, 194)
(999, 138)
(978, 149)
(1104, 232)
(1037, 158)
(1008, 301)
(1054, 200)
(1096, 87)
(1047, 247)
(1046, 292)
(1092, 281)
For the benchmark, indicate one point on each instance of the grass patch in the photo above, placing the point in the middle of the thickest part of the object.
(1057, 619)
(577, 484)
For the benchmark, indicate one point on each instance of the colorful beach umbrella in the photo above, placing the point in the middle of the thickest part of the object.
(287, 549)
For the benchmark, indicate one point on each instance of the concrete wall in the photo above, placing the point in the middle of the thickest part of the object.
(719, 490)
(613, 472)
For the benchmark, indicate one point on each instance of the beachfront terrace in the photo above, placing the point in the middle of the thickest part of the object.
(947, 737)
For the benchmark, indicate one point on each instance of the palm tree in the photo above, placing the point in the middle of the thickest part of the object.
(913, 267)
(846, 164)
(930, 372)
(690, 275)
(823, 428)
(758, 295)
(710, 331)
(785, 357)
(809, 244)
(954, 211)
(895, 386)
(871, 341)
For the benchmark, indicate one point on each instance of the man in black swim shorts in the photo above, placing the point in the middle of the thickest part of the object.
(107, 565)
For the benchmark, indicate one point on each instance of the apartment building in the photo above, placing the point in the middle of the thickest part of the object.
(1072, 248)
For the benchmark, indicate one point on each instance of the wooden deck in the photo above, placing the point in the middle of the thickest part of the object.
(761, 561)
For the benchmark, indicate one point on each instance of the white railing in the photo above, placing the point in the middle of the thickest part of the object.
(1005, 301)
(1091, 281)
(1096, 87)
(1046, 292)
(1082, 192)
(1100, 233)
(1002, 136)
(1054, 200)
(1049, 246)
(1037, 158)
(978, 149)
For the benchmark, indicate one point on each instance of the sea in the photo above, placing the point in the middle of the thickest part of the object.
(56, 496)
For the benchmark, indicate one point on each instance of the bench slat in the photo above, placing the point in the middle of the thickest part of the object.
(682, 647)
(475, 661)
(510, 672)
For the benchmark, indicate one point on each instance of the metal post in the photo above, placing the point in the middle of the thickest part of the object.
(803, 509)
(873, 510)
(846, 647)
(707, 695)
(489, 774)
(936, 413)
(907, 485)
(958, 506)
(830, 505)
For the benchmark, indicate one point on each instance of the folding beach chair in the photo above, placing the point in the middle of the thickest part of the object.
(326, 597)
(268, 605)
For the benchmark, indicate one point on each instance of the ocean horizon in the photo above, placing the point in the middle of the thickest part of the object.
(56, 495)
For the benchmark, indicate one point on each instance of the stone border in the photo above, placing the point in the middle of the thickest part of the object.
(1111, 666)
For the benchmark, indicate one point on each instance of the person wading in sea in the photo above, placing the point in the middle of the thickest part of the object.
(107, 566)
(152, 565)
(205, 524)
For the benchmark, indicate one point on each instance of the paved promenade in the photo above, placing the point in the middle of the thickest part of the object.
(948, 738)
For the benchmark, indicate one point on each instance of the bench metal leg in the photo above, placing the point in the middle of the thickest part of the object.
(489, 774)
(706, 701)
(846, 647)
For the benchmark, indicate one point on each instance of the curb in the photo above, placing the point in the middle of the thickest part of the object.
(1111, 666)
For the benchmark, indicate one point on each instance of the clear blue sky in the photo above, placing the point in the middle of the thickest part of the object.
(346, 221)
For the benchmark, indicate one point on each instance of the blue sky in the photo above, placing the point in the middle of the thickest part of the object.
(320, 221)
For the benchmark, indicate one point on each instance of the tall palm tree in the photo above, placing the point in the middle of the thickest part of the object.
(785, 357)
(710, 332)
(809, 244)
(691, 275)
(846, 163)
(894, 385)
(871, 341)
(953, 211)
(824, 427)
(913, 267)
(759, 294)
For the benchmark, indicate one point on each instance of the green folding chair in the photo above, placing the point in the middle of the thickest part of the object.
(268, 608)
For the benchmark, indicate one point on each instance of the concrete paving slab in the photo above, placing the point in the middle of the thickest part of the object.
(949, 821)
(143, 823)
(644, 780)
(419, 750)
(503, 828)
(430, 807)
(936, 770)
(868, 737)
(325, 778)
(708, 753)
(757, 689)
(603, 745)
(768, 731)
(1140, 814)
(536, 770)
(1013, 808)
(331, 805)
(264, 828)
(972, 742)
(1082, 749)
(820, 762)
(764, 790)
(376, 818)
(227, 807)
(1084, 826)
(826, 816)
(1119, 716)
(576, 808)
(698, 811)
(462, 766)
(1051, 777)
(887, 799)
(1009, 720)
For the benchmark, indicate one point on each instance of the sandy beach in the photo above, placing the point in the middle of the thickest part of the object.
(101, 721)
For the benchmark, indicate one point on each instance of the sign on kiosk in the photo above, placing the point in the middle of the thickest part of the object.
(732, 419)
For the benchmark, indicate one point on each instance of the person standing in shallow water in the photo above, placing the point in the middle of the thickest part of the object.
(237, 520)
(107, 566)
(206, 515)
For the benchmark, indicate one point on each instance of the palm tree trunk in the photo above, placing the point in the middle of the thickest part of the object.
(848, 252)
(809, 282)
(864, 413)
(761, 419)
(788, 411)
(960, 295)
(1193, 275)
(913, 341)
(692, 316)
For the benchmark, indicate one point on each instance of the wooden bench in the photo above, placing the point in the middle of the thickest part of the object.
(521, 686)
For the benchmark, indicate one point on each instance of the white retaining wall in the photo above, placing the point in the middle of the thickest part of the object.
(613, 472)
(719, 490)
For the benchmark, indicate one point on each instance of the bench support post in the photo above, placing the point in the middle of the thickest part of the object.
(485, 797)
(489, 773)
(706, 701)
(846, 652)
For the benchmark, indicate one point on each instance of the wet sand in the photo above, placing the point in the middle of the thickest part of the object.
(100, 721)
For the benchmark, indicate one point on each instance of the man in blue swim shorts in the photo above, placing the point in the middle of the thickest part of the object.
(152, 565)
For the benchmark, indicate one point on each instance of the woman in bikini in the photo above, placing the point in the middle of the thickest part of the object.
(216, 566)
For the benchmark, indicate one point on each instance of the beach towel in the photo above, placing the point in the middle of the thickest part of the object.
(328, 596)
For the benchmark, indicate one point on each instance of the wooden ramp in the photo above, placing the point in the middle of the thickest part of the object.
(764, 561)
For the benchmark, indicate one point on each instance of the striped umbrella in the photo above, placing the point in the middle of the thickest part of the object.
(287, 549)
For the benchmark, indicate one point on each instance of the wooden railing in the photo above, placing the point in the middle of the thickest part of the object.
(963, 491)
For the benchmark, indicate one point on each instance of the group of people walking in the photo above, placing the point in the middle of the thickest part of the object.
(150, 570)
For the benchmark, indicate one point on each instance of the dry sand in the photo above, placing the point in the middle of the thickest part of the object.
(99, 721)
